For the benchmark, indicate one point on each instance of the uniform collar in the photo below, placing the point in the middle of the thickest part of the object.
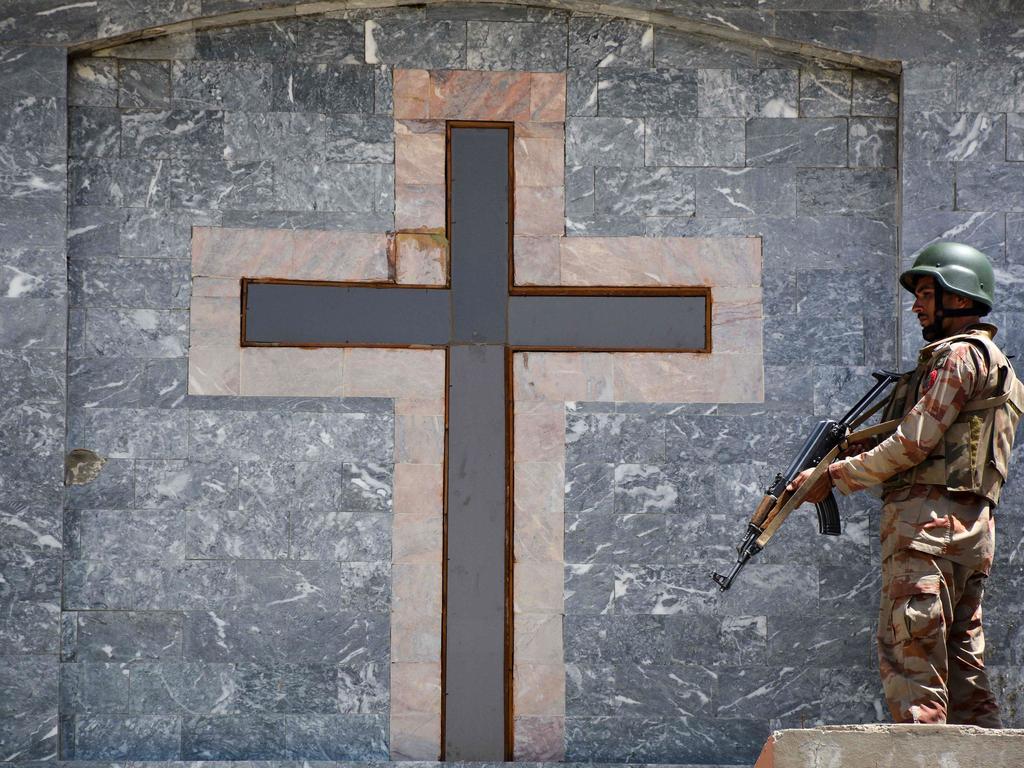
(974, 328)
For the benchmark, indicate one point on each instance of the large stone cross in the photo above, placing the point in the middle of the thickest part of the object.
(501, 329)
(480, 320)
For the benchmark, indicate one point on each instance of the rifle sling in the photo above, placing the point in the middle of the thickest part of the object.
(890, 426)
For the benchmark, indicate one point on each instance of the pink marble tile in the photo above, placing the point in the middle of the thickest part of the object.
(681, 377)
(539, 739)
(291, 372)
(416, 687)
(401, 373)
(547, 97)
(540, 211)
(420, 126)
(420, 207)
(222, 252)
(420, 406)
(530, 130)
(215, 322)
(539, 162)
(417, 538)
(714, 261)
(736, 320)
(411, 87)
(213, 371)
(217, 287)
(562, 376)
(416, 588)
(415, 736)
(611, 261)
(421, 258)
(537, 260)
(473, 95)
(537, 587)
(339, 256)
(419, 158)
(419, 489)
(538, 638)
(539, 689)
(539, 431)
(539, 512)
(419, 439)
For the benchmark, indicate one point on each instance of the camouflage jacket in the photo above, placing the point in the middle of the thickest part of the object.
(927, 516)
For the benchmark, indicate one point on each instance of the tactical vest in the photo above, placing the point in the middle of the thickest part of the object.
(974, 454)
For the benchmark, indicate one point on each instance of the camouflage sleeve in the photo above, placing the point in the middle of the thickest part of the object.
(945, 389)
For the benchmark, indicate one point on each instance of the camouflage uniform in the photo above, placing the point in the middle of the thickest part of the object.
(937, 527)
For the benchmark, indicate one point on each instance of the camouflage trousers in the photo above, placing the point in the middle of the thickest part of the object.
(930, 642)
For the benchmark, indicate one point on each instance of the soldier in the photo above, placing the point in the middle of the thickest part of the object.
(940, 475)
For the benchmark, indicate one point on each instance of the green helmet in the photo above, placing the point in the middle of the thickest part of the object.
(957, 268)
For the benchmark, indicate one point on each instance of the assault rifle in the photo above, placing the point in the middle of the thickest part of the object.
(821, 448)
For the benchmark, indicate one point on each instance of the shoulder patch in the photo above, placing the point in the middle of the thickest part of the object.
(929, 381)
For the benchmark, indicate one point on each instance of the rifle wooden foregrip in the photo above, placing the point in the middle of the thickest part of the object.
(761, 513)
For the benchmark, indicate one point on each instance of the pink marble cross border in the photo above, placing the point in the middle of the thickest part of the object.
(543, 382)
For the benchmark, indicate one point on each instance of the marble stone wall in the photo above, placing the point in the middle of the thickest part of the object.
(829, 244)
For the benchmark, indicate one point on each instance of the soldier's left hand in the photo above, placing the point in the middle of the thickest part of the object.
(821, 488)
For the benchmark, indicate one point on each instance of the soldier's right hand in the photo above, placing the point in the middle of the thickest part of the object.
(853, 449)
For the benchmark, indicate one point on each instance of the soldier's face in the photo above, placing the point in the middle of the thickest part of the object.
(924, 300)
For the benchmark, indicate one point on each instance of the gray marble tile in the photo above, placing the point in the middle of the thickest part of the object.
(746, 192)
(747, 92)
(604, 141)
(686, 51)
(93, 231)
(813, 142)
(128, 16)
(94, 132)
(196, 585)
(206, 184)
(33, 132)
(589, 487)
(112, 489)
(603, 537)
(989, 187)
(838, 341)
(513, 45)
(873, 142)
(104, 382)
(645, 192)
(825, 92)
(416, 44)
(875, 96)
(644, 488)
(93, 689)
(985, 86)
(274, 135)
(605, 226)
(33, 429)
(839, 640)
(180, 45)
(130, 535)
(581, 92)
(137, 332)
(598, 41)
(799, 584)
(144, 84)
(579, 191)
(91, 585)
(360, 139)
(929, 87)
(30, 71)
(118, 182)
(172, 133)
(30, 322)
(694, 141)
(128, 636)
(169, 687)
(249, 737)
(29, 628)
(852, 695)
(871, 192)
(952, 136)
(108, 737)
(109, 283)
(665, 92)
(588, 588)
(339, 535)
(284, 688)
(1015, 136)
(322, 87)
(383, 90)
(663, 590)
(769, 693)
(221, 85)
(160, 233)
(619, 640)
(592, 436)
(927, 185)
(845, 589)
(233, 534)
(32, 273)
(346, 187)
(92, 82)
(183, 484)
(33, 222)
(985, 231)
(590, 690)
(129, 433)
(337, 737)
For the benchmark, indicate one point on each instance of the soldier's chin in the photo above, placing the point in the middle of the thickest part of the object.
(930, 333)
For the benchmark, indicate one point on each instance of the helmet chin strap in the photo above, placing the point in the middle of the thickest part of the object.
(934, 330)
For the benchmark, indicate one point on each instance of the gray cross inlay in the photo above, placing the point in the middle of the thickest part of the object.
(480, 320)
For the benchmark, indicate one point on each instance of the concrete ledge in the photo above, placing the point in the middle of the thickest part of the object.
(893, 746)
